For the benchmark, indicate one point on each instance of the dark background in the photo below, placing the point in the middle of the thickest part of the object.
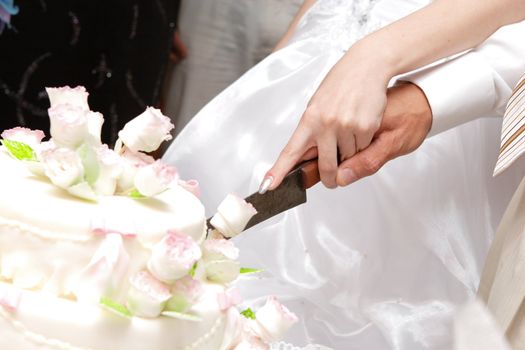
(117, 49)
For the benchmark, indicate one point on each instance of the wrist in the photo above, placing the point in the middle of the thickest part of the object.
(377, 62)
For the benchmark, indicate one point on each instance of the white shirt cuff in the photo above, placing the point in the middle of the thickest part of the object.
(458, 90)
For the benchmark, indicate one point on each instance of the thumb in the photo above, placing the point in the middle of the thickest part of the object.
(364, 163)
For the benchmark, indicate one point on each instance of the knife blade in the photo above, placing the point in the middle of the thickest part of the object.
(290, 193)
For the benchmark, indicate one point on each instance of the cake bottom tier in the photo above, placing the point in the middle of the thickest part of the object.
(43, 321)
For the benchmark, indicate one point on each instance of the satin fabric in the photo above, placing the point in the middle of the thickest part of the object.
(381, 264)
(225, 38)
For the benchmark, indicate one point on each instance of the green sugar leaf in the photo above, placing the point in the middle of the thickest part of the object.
(90, 163)
(248, 313)
(19, 150)
(248, 270)
(181, 316)
(115, 307)
(192, 270)
(136, 194)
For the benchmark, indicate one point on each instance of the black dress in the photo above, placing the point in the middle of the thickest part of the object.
(117, 49)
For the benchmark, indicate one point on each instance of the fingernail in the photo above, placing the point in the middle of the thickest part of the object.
(347, 176)
(265, 185)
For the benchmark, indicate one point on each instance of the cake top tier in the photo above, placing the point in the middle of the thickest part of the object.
(31, 200)
(73, 185)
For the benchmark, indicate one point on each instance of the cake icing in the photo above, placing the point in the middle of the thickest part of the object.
(109, 249)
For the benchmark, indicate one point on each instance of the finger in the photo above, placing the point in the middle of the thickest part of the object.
(310, 154)
(346, 144)
(363, 140)
(366, 162)
(290, 155)
(327, 153)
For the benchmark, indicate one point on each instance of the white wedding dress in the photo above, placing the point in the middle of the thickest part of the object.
(383, 263)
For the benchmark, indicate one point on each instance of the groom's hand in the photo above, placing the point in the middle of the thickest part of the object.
(406, 122)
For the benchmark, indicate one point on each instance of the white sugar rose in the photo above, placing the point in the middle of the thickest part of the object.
(273, 320)
(147, 131)
(77, 96)
(95, 121)
(32, 138)
(147, 296)
(173, 257)
(110, 168)
(184, 293)
(222, 271)
(69, 125)
(219, 257)
(155, 178)
(104, 274)
(232, 215)
(218, 249)
(62, 166)
(131, 163)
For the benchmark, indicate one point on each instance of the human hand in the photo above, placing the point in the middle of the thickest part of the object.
(406, 123)
(342, 116)
(178, 49)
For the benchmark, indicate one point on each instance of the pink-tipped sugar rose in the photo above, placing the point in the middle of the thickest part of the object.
(191, 186)
(62, 166)
(10, 298)
(173, 257)
(184, 293)
(218, 249)
(131, 163)
(69, 125)
(32, 138)
(155, 178)
(273, 320)
(110, 168)
(232, 215)
(77, 96)
(104, 274)
(147, 131)
(95, 121)
(147, 296)
(229, 298)
(219, 257)
(222, 271)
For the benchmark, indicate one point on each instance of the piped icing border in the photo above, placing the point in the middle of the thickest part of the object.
(44, 234)
(35, 338)
(39, 339)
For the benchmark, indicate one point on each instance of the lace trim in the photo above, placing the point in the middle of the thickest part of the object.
(338, 23)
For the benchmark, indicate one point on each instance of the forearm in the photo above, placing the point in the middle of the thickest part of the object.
(293, 25)
(444, 28)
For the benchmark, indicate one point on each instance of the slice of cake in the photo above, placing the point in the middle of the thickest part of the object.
(108, 249)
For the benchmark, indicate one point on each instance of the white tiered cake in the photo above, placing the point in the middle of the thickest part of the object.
(107, 249)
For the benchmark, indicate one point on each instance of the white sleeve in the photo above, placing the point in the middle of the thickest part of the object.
(476, 84)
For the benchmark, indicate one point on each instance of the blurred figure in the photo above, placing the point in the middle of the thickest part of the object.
(118, 50)
(224, 39)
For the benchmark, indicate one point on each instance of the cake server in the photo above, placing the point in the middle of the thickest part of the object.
(290, 193)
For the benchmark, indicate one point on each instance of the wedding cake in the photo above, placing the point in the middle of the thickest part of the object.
(109, 249)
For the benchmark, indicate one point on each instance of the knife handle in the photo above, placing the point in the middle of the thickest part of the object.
(310, 173)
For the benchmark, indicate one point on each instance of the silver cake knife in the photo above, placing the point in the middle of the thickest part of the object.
(290, 193)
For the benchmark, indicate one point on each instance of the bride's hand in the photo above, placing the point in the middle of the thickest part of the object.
(340, 120)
